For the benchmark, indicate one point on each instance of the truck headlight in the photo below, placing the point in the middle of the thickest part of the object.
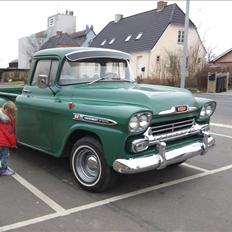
(139, 122)
(207, 110)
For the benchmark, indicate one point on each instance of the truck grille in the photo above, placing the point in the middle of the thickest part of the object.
(169, 127)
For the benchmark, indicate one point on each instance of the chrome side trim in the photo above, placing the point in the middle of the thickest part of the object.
(93, 119)
(170, 111)
(163, 158)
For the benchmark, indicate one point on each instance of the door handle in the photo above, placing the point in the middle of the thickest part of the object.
(26, 91)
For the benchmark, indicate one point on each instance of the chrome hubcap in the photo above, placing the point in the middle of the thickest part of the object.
(91, 163)
(87, 165)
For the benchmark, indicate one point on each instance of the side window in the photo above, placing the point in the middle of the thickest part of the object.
(45, 67)
(42, 68)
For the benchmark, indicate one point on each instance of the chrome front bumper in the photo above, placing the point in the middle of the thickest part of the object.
(163, 158)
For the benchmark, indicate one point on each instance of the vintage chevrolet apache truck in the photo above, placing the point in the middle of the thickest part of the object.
(84, 103)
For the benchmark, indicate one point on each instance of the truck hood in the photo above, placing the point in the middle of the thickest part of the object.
(150, 97)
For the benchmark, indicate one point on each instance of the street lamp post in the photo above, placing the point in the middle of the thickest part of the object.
(184, 62)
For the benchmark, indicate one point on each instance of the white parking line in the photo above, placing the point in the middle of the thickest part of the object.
(39, 194)
(221, 125)
(222, 135)
(112, 199)
(195, 167)
(29, 222)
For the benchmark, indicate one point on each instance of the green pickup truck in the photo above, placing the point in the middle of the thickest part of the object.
(85, 104)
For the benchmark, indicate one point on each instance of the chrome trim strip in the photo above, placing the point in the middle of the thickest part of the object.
(173, 110)
(163, 158)
(93, 119)
(170, 111)
(192, 108)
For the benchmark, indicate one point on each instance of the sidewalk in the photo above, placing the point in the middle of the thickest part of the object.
(227, 93)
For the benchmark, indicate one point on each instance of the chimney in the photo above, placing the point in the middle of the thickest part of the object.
(118, 17)
(161, 5)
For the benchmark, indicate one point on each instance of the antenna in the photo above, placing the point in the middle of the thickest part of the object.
(57, 8)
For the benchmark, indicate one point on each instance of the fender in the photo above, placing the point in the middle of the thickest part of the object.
(109, 136)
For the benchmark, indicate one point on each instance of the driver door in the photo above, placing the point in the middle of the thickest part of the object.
(35, 117)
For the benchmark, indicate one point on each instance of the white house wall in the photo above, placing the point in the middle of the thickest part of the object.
(62, 22)
(89, 37)
(144, 62)
(169, 42)
(22, 54)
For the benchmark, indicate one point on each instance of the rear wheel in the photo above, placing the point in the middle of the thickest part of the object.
(89, 166)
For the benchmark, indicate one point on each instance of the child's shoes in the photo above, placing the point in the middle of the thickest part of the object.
(7, 172)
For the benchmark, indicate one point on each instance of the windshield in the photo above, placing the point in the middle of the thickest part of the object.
(102, 69)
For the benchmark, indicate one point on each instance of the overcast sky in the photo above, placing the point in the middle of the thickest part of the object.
(23, 18)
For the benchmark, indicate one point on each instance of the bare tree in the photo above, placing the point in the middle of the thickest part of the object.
(33, 45)
(210, 53)
(170, 66)
(173, 65)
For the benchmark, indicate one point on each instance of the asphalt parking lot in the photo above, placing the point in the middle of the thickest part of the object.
(195, 196)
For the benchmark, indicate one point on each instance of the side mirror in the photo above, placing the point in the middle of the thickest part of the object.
(42, 81)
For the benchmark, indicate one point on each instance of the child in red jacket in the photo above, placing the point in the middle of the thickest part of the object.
(7, 136)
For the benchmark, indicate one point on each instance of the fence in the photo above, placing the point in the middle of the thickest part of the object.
(12, 75)
(217, 82)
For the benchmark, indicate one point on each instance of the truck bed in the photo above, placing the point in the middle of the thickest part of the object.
(10, 92)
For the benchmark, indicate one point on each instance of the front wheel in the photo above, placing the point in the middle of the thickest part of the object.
(89, 166)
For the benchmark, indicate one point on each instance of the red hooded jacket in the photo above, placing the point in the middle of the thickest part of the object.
(7, 130)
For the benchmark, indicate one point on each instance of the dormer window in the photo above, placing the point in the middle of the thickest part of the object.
(111, 41)
(139, 35)
(128, 37)
(103, 42)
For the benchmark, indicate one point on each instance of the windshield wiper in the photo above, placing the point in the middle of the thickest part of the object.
(97, 80)
(105, 78)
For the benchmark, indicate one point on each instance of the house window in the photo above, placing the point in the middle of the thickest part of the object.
(180, 36)
(128, 38)
(139, 35)
(157, 59)
(111, 41)
(103, 42)
(51, 21)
